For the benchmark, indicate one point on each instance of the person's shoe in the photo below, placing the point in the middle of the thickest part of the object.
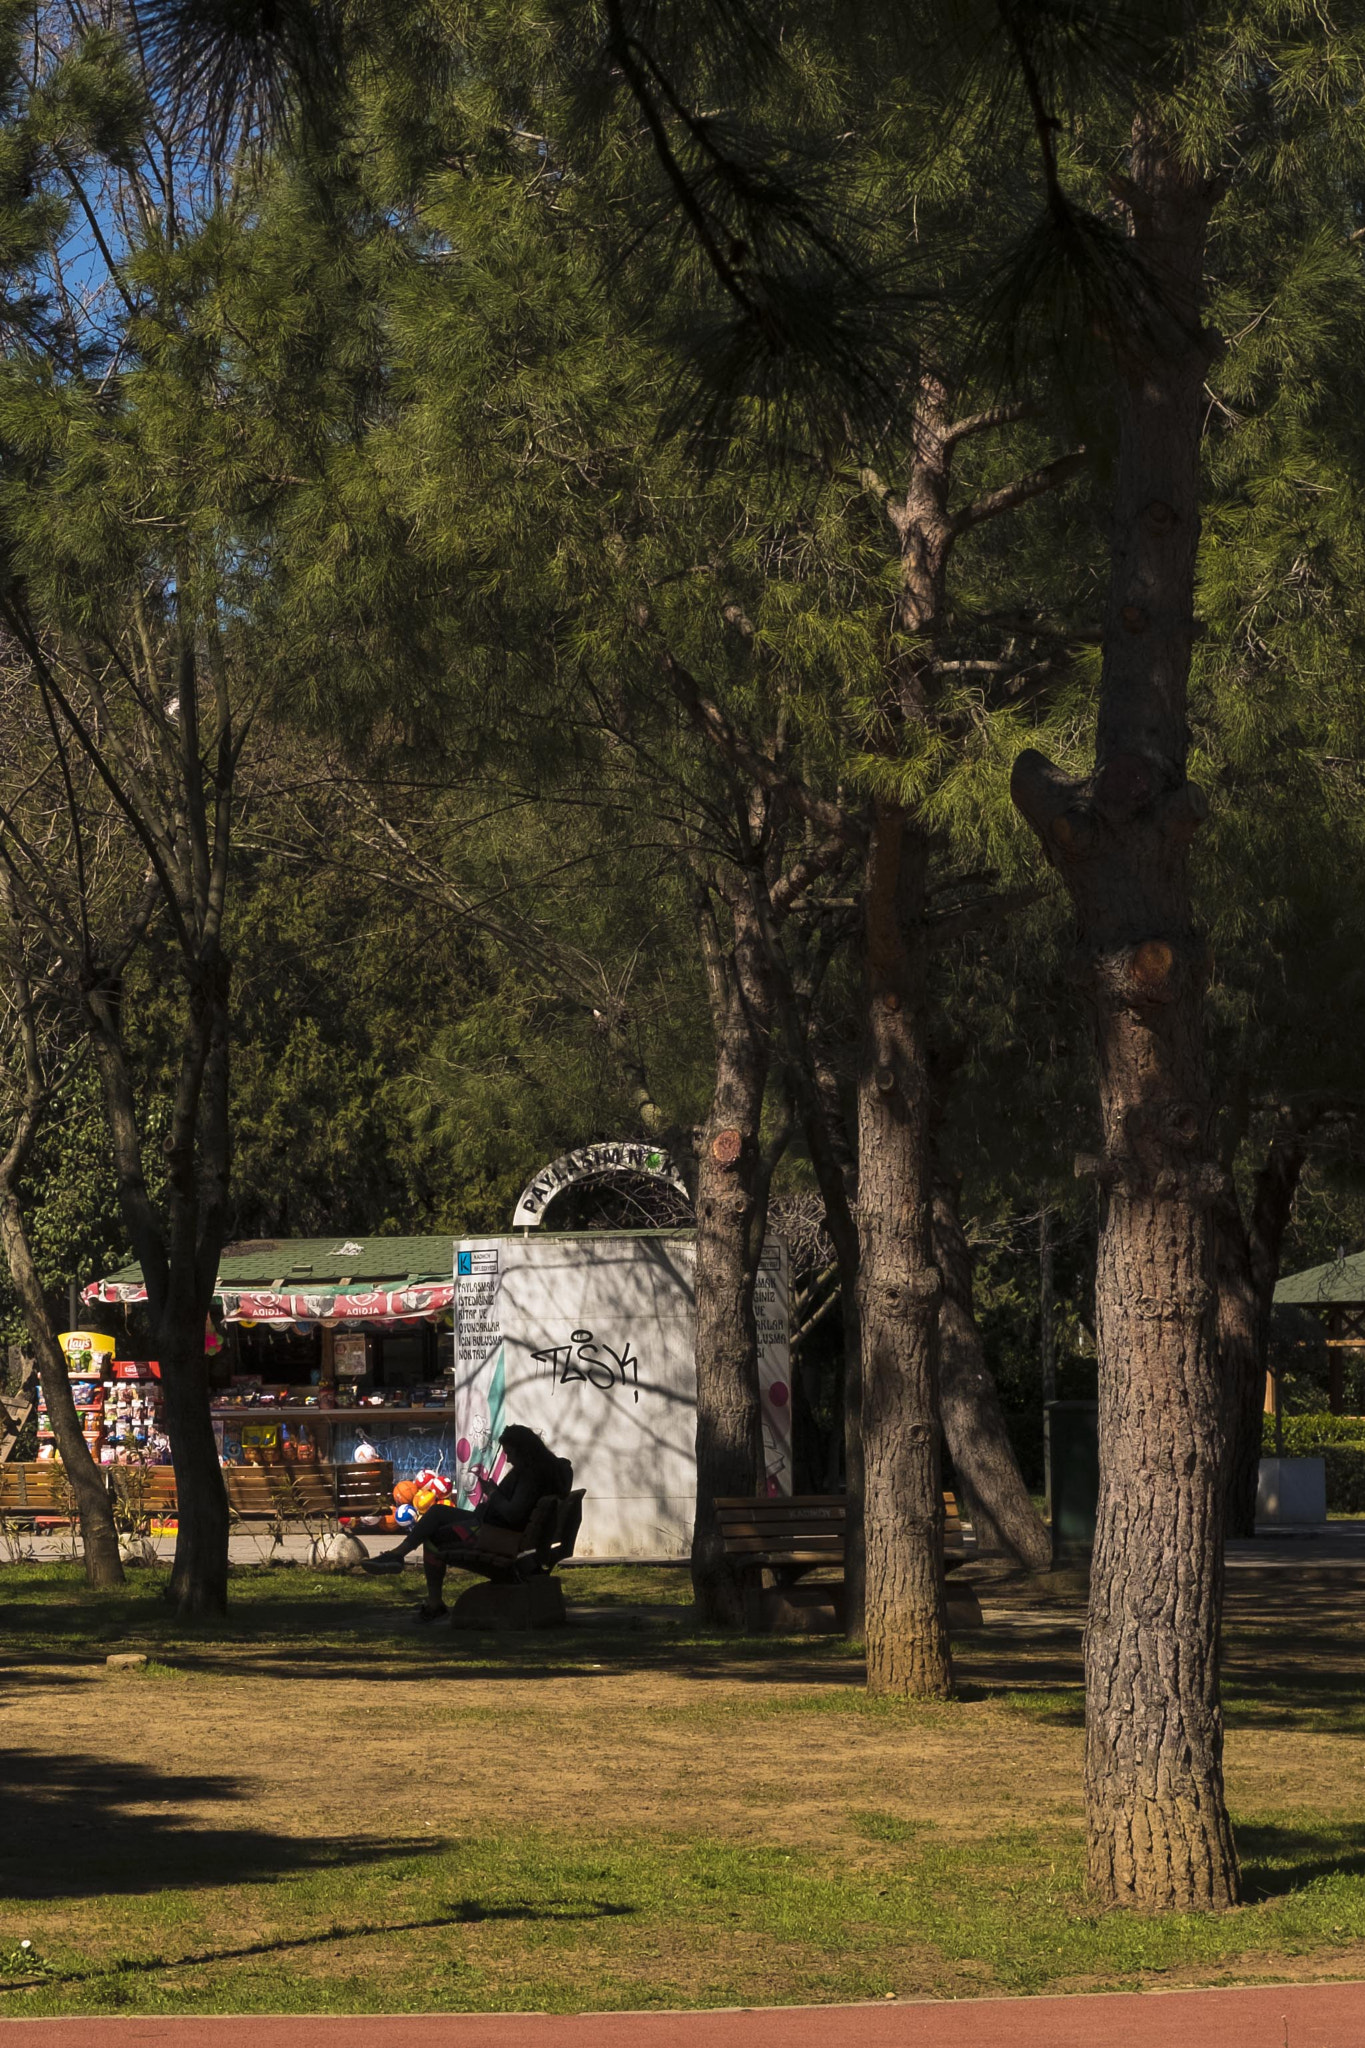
(387, 1563)
(426, 1615)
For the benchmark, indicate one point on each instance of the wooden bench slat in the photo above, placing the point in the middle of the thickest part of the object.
(789, 1555)
(762, 1525)
(32, 1488)
(783, 1503)
(807, 1518)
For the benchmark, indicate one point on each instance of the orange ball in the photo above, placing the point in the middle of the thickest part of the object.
(390, 1523)
(404, 1491)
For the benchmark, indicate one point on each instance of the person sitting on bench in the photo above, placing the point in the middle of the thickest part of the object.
(533, 1471)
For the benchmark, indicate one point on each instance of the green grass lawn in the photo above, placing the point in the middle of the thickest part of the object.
(316, 1808)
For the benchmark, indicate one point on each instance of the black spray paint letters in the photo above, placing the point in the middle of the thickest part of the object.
(591, 1362)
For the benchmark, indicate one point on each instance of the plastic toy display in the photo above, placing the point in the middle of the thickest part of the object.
(119, 1402)
(412, 1498)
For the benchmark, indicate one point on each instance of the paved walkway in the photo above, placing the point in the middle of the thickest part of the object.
(1277, 2016)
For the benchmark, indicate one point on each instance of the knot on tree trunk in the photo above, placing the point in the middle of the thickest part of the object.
(921, 1287)
(726, 1147)
(1160, 969)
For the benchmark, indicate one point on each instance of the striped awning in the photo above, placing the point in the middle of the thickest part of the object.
(420, 1304)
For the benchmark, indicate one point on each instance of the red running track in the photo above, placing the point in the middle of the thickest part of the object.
(1274, 2016)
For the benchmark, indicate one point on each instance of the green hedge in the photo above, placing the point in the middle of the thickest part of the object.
(1345, 1474)
(1339, 1440)
(1307, 1436)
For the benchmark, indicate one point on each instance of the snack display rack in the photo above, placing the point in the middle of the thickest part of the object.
(118, 1400)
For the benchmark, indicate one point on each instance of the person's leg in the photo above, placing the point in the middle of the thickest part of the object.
(434, 1571)
(439, 1521)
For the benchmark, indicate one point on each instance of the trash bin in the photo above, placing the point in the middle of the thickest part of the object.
(1071, 1449)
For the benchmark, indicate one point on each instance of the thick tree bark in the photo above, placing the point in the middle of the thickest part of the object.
(1248, 1266)
(1002, 1515)
(906, 1619)
(731, 1200)
(94, 1509)
(1158, 1829)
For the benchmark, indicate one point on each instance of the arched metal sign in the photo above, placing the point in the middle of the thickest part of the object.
(592, 1162)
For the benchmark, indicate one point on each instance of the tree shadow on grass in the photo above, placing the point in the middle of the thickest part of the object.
(72, 1825)
(476, 1659)
(1278, 1860)
(461, 1913)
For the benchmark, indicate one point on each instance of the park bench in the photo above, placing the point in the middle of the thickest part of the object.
(787, 1538)
(518, 1566)
(35, 1492)
(289, 1493)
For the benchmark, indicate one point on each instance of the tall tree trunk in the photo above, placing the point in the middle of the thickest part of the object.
(94, 1509)
(906, 1618)
(179, 1259)
(1003, 1517)
(1158, 1829)
(894, 1406)
(836, 1170)
(1248, 1256)
(825, 1130)
(731, 1191)
(199, 1575)
(1240, 1346)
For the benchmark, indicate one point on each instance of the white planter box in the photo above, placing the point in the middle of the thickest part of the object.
(1291, 1492)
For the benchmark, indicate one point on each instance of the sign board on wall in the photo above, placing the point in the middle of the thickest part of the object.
(589, 1340)
(349, 1360)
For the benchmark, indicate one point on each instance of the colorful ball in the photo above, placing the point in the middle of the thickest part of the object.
(439, 1487)
(405, 1514)
(405, 1490)
(426, 1498)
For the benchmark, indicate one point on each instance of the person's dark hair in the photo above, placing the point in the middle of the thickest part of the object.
(532, 1454)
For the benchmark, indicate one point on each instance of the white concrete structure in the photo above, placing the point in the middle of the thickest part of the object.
(1291, 1493)
(588, 1338)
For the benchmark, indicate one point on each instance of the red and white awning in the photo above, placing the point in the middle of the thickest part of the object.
(415, 1304)
(375, 1305)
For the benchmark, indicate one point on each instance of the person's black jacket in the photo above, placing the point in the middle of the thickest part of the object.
(508, 1503)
